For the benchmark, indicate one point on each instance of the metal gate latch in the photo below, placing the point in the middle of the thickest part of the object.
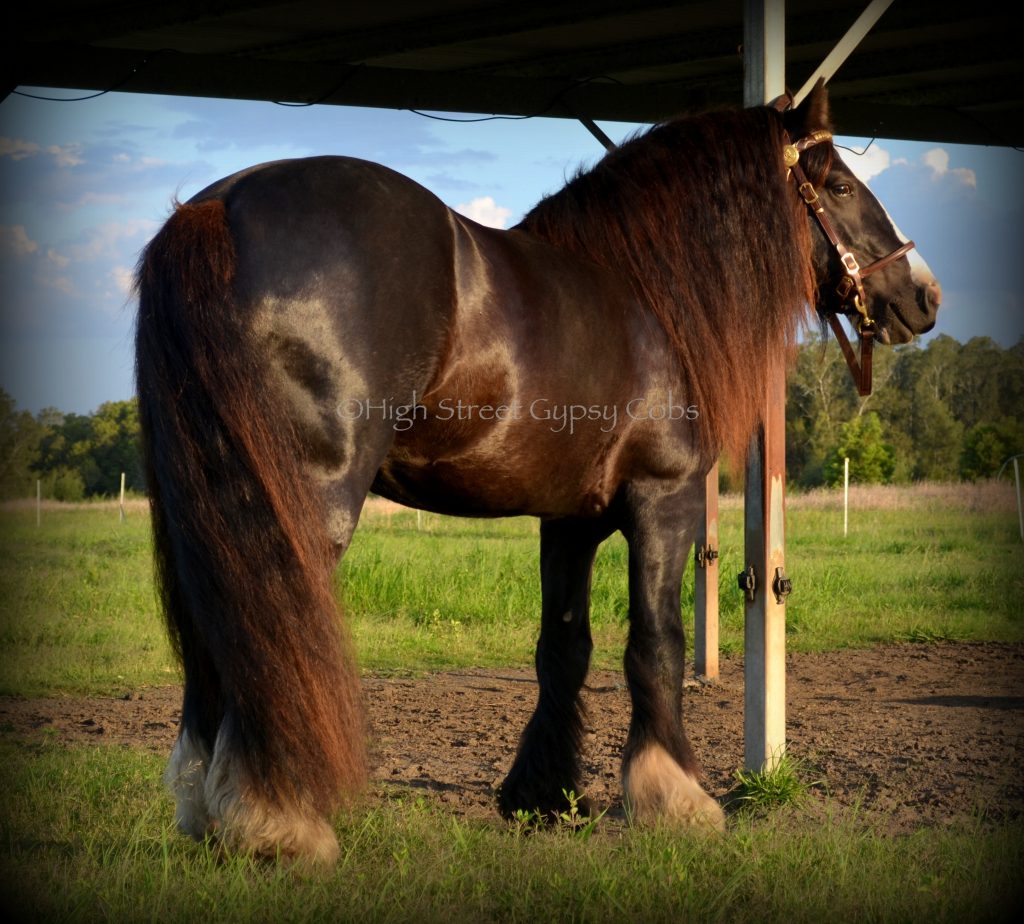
(705, 555)
(748, 582)
(782, 585)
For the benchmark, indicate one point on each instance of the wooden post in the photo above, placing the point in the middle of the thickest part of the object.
(764, 716)
(39, 502)
(121, 505)
(705, 585)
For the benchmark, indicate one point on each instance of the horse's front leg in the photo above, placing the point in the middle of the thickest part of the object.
(547, 763)
(659, 770)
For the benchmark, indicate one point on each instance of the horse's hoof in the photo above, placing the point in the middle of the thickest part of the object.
(658, 789)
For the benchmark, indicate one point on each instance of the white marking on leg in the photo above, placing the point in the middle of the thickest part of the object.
(186, 778)
(247, 823)
(656, 787)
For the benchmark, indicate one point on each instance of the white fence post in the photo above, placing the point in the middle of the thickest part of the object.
(1020, 510)
(846, 494)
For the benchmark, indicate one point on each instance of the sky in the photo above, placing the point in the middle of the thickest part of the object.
(84, 185)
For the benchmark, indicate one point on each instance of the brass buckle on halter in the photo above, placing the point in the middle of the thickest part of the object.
(809, 194)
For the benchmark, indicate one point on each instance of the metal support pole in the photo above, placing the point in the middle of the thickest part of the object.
(764, 717)
(591, 126)
(844, 46)
(705, 585)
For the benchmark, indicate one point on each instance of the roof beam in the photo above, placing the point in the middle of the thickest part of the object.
(454, 28)
(104, 23)
(225, 76)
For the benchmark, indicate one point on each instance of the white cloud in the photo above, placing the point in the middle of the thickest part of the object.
(102, 241)
(937, 159)
(57, 259)
(869, 164)
(17, 149)
(486, 211)
(60, 283)
(15, 239)
(65, 155)
(123, 278)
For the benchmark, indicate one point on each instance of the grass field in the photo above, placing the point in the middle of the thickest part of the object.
(86, 833)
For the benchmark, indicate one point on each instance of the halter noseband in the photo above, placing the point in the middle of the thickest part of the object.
(851, 287)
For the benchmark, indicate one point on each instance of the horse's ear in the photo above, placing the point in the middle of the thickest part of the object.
(812, 114)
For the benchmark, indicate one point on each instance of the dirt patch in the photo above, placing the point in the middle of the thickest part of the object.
(916, 734)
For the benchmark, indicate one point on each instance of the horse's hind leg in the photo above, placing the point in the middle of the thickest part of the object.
(659, 770)
(272, 726)
(547, 763)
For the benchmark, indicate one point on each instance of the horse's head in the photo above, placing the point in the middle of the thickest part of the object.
(893, 285)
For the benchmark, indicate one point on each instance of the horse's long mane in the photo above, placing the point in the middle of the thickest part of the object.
(715, 242)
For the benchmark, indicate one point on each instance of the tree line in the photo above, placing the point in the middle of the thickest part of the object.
(74, 455)
(942, 411)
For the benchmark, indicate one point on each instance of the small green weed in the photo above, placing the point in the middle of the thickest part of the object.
(573, 821)
(787, 783)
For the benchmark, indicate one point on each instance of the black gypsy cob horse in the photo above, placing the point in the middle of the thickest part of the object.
(311, 330)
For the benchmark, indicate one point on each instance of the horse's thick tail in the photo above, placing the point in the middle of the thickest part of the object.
(272, 719)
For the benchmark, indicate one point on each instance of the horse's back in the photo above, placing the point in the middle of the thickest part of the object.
(322, 222)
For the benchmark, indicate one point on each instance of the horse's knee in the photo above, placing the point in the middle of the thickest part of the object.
(657, 788)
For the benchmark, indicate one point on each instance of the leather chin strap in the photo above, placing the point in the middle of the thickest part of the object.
(851, 287)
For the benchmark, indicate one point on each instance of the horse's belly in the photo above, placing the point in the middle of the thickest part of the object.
(499, 477)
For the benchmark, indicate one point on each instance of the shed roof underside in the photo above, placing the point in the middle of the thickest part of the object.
(934, 71)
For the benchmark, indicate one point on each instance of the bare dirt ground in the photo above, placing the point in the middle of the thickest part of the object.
(914, 735)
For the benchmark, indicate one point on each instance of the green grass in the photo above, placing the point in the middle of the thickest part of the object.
(78, 612)
(91, 838)
(788, 782)
(77, 607)
(87, 833)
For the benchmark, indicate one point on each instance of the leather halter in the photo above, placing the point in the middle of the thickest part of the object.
(851, 287)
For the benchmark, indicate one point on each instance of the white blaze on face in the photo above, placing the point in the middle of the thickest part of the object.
(920, 272)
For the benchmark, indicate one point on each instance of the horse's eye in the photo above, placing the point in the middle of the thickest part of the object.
(842, 190)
